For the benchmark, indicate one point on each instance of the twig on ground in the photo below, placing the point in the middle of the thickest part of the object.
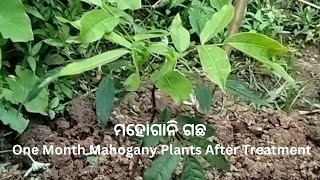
(36, 166)
(309, 112)
(5, 151)
(310, 4)
(6, 134)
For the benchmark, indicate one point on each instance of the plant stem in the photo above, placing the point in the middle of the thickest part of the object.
(310, 4)
(5, 151)
(236, 21)
(154, 112)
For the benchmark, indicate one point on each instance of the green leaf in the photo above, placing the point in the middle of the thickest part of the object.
(183, 120)
(94, 2)
(79, 67)
(116, 38)
(21, 86)
(94, 24)
(215, 64)
(75, 24)
(32, 63)
(192, 169)
(256, 45)
(175, 84)
(15, 23)
(218, 4)
(132, 4)
(132, 83)
(150, 35)
(198, 15)
(261, 48)
(105, 97)
(159, 48)
(179, 35)
(217, 160)
(163, 167)
(150, 141)
(169, 65)
(13, 118)
(217, 23)
(242, 90)
(36, 48)
(165, 115)
(93, 160)
(204, 96)
(175, 3)
(33, 11)
(139, 55)
(54, 103)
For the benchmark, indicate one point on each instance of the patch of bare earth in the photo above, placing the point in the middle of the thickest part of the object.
(308, 71)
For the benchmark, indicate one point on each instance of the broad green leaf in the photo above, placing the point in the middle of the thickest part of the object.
(215, 64)
(279, 70)
(175, 84)
(116, 38)
(179, 35)
(163, 167)
(204, 96)
(15, 23)
(256, 45)
(169, 65)
(218, 4)
(132, 83)
(217, 160)
(13, 118)
(217, 23)
(79, 67)
(21, 86)
(105, 97)
(183, 120)
(159, 48)
(150, 35)
(261, 48)
(192, 169)
(242, 90)
(94, 2)
(94, 24)
(198, 15)
(132, 4)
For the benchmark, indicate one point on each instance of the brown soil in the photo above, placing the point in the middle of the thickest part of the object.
(308, 72)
